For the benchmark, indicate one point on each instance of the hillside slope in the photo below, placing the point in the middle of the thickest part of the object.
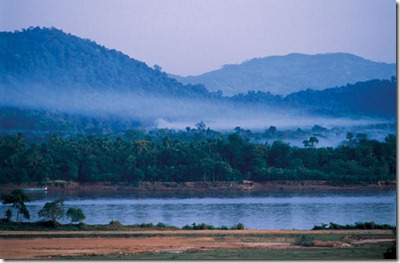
(50, 57)
(283, 75)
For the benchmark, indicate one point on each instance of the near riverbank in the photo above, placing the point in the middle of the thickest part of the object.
(200, 245)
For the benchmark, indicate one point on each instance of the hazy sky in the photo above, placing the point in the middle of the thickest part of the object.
(190, 37)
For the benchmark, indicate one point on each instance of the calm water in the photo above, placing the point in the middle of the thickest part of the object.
(254, 210)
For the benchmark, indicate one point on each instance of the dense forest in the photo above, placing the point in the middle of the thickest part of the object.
(197, 154)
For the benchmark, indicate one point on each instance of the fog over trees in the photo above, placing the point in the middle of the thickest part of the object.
(54, 76)
(73, 110)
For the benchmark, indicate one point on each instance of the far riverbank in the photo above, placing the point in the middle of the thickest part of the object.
(203, 186)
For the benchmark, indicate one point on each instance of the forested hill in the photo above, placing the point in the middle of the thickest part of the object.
(375, 98)
(51, 81)
(50, 57)
(372, 98)
(282, 75)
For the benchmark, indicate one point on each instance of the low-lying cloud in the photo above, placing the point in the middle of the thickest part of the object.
(168, 112)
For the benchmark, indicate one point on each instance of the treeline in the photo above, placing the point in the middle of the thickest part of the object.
(356, 225)
(191, 156)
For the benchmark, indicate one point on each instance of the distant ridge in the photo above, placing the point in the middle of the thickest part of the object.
(283, 75)
(53, 81)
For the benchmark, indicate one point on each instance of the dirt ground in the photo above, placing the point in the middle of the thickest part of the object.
(46, 245)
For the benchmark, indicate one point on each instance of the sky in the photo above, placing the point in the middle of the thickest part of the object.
(191, 37)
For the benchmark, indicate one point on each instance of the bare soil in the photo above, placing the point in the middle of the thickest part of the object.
(50, 244)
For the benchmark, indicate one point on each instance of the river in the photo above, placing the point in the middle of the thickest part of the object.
(256, 210)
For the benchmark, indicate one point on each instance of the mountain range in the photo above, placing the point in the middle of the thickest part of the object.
(283, 75)
(49, 78)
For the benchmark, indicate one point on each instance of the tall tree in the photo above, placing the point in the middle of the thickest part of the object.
(53, 210)
(17, 198)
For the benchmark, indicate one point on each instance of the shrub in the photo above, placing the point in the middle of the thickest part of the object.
(201, 226)
(116, 224)
(305, 241)
(82, 226)
(187, 227)
(50, 224)
(239, 226)
(162, 225)
(146, 225)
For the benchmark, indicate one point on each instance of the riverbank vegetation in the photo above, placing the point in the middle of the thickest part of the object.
(194, 155)
(44, 225)
(50, 225)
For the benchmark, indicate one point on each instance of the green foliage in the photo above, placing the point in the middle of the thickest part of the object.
(194, 155)
(357, 225)
(115, 224)
(238, 226)
(311, 142)
(204, 226)
(163, 225)
(83, 226)
(17, 198)
(305, 241)
(76, 214)
(53, 210)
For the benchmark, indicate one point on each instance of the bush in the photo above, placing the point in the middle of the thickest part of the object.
(201, 226)
(50, 224)
(162, 225)
(116, 224)
(146, 225)
(239, 226)
(305, 241)
(357, 225)
(322, 227)
(82, 226)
